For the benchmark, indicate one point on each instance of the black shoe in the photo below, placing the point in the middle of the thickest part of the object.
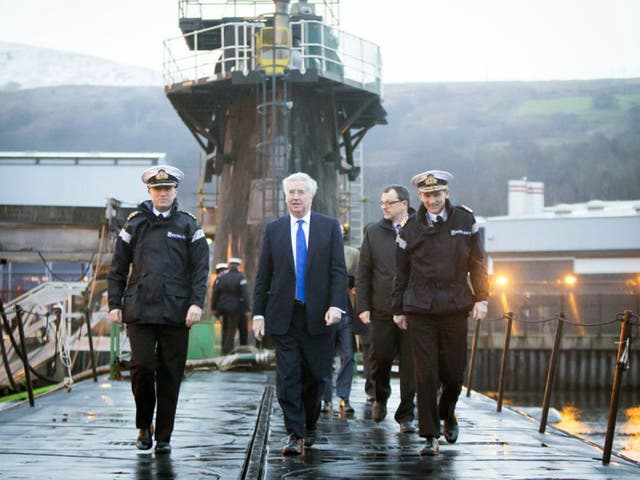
(326, 407)
(345, 406)
(310, 439)
(294, 446)
(163, 447)
(379, 411)
(451, 429)
(431, 447)
(407, 427)
(144, 440)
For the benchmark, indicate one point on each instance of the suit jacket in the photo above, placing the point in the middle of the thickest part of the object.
(325, 274)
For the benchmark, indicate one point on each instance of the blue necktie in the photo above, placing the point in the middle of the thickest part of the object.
(301, 261)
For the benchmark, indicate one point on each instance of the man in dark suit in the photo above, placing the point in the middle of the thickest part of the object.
(300, 294)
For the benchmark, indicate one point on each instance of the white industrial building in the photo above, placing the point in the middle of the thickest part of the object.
(582, 253)
(73, 179)
(55, 207)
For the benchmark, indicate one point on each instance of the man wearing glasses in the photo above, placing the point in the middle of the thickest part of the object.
(374, 284)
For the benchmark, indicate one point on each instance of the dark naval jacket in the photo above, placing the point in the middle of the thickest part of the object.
(376, 267)
(230, 292)
(433, 263)
(169, 260)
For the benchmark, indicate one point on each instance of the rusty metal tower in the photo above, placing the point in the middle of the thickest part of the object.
(267, 88)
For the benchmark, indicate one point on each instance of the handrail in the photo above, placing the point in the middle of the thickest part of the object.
(551, 374)
(34, 312)
(503, 365)
(622, 364)
(314, 45)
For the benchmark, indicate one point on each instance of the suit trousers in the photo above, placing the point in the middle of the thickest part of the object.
(302, 363)
(345, 349)
(440, 355)
(364, 346)
(387, 342)
(158, 357)
(369, 385)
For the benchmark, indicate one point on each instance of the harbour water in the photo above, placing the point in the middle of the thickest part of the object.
(585, 414)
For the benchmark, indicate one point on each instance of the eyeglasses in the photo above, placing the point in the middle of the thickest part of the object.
(388, 204)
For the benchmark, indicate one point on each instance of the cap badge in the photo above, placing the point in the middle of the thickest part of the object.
(161, 175)
(430, 180)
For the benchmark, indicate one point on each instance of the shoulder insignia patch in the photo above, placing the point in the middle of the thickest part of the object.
(133, 214)
(464, 207)
(190, 214)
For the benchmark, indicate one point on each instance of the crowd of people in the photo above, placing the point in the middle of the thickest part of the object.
(405, 294)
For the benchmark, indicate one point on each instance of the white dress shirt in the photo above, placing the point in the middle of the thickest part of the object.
(157, 213)
(442, 214)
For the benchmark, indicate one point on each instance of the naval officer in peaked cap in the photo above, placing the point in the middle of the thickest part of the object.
(432, 181)
(438, 252)
(221, 268)
(157, 286)
(230, 300)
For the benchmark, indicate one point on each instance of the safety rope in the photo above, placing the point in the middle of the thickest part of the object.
(517, 318)
(58, 277)
(65, 342)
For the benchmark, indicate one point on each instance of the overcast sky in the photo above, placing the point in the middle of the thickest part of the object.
(421, 40)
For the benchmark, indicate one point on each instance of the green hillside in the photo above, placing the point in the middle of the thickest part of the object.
(582, 138)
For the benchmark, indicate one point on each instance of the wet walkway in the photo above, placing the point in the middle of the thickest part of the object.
(225, 419)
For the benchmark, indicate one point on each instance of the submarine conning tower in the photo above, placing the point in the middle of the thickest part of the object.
(268, 88)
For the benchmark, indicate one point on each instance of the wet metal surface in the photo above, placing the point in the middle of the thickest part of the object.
(491, 445)
(89, 433)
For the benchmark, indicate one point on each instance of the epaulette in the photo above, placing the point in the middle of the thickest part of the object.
(405, 220)
(189, 213)
(464, 207)
(133, 214)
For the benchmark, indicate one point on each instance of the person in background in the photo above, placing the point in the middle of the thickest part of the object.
(440, 278)
(344, 346)
(157, 286)
(230, 299)
(221, 269)
(299, 297)
(374, 284)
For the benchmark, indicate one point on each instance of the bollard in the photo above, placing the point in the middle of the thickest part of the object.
(621, 364)
(474, 346)
(24, 355)
(91, 350)
(5, 356)
(503, 366)
(551, 374)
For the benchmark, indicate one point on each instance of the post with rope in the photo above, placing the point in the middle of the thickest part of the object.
(474, 346)
(24, 355)
(622, 364)
(505, 354)
(551, 374)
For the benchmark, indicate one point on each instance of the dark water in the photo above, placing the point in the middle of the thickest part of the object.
(586, 413)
